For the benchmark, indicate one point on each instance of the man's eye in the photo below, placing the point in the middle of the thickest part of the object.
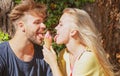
(37, 22)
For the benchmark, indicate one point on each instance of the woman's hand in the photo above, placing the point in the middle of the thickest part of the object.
(47, 40)
(48, 52)
(49, 56)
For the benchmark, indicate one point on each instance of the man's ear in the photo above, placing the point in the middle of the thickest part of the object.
(21, 25)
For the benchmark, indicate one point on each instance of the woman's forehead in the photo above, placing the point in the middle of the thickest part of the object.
(66, 17)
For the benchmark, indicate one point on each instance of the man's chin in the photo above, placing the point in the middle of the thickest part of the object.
(37, 42)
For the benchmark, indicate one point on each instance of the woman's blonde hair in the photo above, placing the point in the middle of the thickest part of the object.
(90, 37)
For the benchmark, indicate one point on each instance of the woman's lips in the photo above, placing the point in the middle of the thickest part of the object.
(55, 38)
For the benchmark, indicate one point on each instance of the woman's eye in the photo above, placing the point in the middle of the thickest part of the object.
(60, 24)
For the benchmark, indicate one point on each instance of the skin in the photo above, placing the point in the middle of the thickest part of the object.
(29, 30)
(72, 31)
(69, 36)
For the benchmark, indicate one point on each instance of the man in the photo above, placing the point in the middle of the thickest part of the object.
(21, 56)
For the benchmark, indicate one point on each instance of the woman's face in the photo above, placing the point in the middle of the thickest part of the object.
(63, 29)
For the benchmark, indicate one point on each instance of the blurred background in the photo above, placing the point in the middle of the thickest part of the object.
(105, 14)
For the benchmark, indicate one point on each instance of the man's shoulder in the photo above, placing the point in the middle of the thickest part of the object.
(3, 53)
(3, 47)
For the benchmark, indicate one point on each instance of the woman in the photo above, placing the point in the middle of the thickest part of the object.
(84, 54)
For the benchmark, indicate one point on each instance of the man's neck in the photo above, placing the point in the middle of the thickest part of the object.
(22, 49)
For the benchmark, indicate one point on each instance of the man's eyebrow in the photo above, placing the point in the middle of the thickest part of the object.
(38, 20)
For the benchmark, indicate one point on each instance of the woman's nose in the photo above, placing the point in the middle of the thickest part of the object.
(56, 27)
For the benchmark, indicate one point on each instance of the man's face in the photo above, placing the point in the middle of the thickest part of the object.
(34, 28)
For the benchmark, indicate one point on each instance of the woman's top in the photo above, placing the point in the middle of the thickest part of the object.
(85, 65)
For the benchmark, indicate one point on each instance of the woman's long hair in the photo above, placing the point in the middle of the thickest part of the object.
(90, 37)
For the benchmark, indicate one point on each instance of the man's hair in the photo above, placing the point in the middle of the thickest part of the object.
(27, 6)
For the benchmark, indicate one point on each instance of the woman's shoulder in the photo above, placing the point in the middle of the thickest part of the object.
(88, 57)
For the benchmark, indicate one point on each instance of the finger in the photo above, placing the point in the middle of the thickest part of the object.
(52, 50)
(44, 47)
(43, 51)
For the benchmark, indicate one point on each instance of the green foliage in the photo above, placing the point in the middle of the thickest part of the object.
(55, 8)
(54, 11)
(57, 48)
(17, 1)
(4, 36)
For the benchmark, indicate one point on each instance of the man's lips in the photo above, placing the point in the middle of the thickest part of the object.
(40, 35)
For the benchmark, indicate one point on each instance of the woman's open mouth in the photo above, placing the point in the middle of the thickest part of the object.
(55, 37)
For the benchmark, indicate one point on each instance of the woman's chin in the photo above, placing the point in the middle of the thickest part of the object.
(58, 42)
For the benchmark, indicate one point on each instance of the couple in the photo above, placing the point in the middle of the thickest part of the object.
(22, 55)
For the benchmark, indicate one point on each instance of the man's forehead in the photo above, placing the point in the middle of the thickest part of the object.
(37, 16)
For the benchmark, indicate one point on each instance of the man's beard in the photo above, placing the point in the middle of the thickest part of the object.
(34, 41)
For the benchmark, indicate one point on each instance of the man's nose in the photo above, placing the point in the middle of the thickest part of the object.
(42, 26)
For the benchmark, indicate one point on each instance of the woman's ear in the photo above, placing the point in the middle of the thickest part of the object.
(73, 32)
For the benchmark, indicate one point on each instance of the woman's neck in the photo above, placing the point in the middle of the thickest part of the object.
(75, 50)
(75, 47)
